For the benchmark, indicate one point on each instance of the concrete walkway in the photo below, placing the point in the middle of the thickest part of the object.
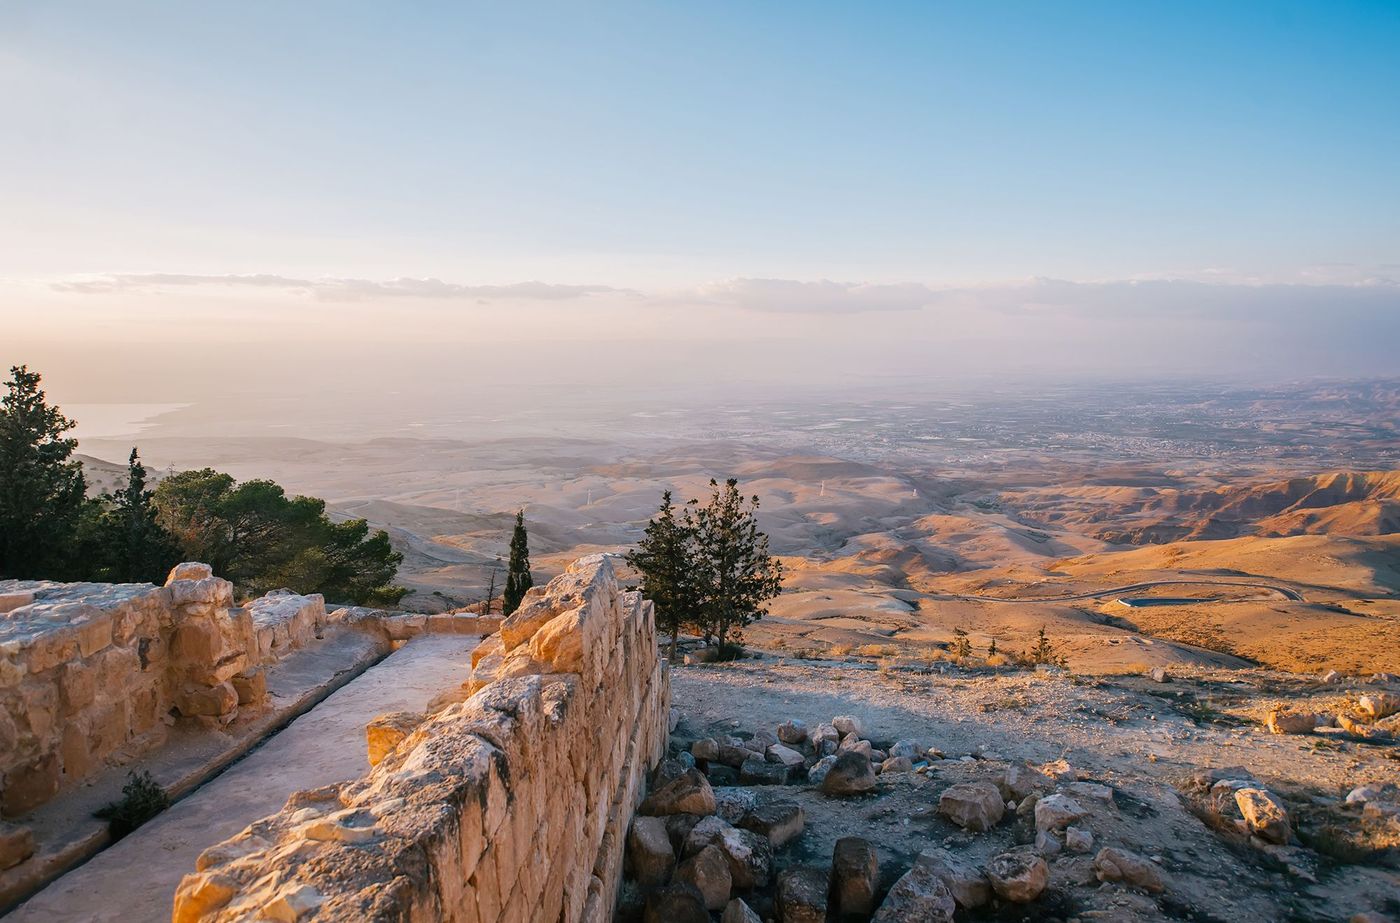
(135, 879)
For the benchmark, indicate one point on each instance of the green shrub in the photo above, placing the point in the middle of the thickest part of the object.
(142, 798)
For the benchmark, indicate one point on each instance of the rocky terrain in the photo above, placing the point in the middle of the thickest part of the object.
(808, 791)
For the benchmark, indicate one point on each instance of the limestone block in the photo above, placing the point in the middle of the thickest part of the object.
(386, 731)
(11, 673)
(197, 643)
(53, 648)
(212, 701)
(29, 785)
(16, 845)
(189, 570)
(560, 642)
(250, 686)
(39, 706)
(9, 602)
(94, 635)
(200, 894)
(209, 591)
(78, 685)
(74, 749)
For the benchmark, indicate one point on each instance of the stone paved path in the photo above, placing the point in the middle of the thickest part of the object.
(135, 879)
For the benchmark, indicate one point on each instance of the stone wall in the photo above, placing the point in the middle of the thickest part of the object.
(512, 805)
(87, 669)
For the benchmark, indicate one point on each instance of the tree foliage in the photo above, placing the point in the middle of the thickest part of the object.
(518, 578)
(664, 558)
(734, 575)
(41, 485)
(120, 537)
(261, 539)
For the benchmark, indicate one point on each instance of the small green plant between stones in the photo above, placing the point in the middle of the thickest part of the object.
(142, 798)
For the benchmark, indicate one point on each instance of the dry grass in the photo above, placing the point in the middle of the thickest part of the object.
(877, 650)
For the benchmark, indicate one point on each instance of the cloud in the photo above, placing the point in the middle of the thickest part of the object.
(821, 297)
(1177, 299)
(335, 289)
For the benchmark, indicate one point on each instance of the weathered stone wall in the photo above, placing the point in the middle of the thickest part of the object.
(512, 805)
(88, 669)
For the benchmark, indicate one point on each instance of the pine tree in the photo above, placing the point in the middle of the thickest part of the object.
(41, 486)
(664, 559)
(145, 552)
(518, 569)
(734, 573)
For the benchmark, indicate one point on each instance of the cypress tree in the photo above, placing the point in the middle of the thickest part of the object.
(518, 569)
(147, 551)
(663, 558)
(41, 485)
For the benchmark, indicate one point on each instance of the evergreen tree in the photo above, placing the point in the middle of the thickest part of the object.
(144, 551)
(41, 486)
(518, 568)
(664, 559)
(733, 571)
(261, 539)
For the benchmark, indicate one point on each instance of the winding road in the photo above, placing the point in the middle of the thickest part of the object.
(1285, 592)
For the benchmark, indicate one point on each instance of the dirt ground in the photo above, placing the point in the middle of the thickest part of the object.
(1142, 738)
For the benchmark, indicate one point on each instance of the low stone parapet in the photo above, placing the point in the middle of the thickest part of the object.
(90, 669)
(511, 805)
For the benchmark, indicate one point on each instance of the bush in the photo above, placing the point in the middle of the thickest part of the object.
(142, 798)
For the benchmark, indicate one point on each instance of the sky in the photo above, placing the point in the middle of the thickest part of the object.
(260, 192)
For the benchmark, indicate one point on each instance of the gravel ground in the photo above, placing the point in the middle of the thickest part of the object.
(1144, 739)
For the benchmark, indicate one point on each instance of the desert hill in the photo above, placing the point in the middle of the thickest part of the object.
(1336, 503)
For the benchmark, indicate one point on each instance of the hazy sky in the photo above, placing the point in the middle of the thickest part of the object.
(1106, 186)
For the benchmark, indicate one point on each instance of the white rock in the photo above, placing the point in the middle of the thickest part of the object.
(1056, 811)
(792, 732)
(789, 757)
(1364, 793)
(1077, 839)
(1264, 814)
(846, 724)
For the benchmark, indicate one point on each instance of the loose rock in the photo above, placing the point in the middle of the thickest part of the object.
(690, 794)
(801, 895)
(1018, 877)
(919, 896)
(792, 732)
(650, 855)
(708, 871)
(1264, 814)
(758, 771)
(846, 724)
(974, 806)
(1056, 811)
(677, 902)
(818, 772)
(855, 871)
(1128, 868)
(850, 774)
(736, 911)
(1077, 839)
(781, 823)
(968, 885)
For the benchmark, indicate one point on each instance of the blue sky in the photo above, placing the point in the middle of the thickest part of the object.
(663, 148)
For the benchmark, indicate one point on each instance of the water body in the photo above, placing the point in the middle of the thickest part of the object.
(109, 421)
